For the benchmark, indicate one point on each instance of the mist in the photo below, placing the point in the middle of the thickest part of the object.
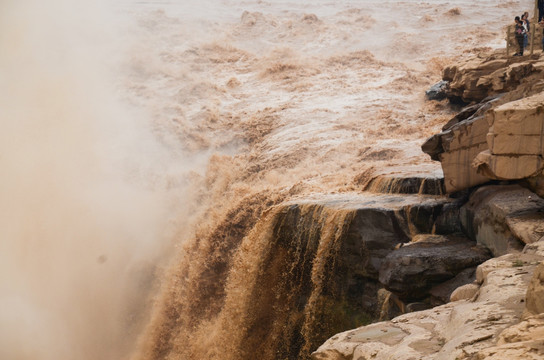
(85, 213)
(129, 126)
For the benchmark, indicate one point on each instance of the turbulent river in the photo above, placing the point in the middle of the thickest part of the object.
(146, 144)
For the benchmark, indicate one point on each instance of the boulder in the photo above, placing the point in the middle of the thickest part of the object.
(465, 292)
(503, 217)
(437, 91)
(411, 271)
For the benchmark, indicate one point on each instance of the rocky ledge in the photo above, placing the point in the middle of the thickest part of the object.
(491, 154)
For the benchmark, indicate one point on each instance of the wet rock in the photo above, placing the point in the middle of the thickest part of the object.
(437, 91)
(411, 271)
(382, 222)
(503, 217)
(317, 266)
(395, 184)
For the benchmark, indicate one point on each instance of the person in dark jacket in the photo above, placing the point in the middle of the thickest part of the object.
(540, 10)
(527, 25)
(519, 31)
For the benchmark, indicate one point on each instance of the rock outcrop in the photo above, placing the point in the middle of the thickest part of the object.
(515, 140)
(503, 218)
(463, 329)
(411, 271)
(499, 135)
(496, 310)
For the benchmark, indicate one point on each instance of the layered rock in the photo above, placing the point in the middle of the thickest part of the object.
(515, 140)
(496, 311)
(411, 271)
(462, 329)
(456, 148)
(500, 136)
(483, 76)
(503, 217)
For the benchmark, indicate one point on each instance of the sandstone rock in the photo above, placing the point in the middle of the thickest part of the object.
(535, 292)
(522, 341)
(517, 127)
(509, 143)
(508, 167)
(478, 78)
(456, 148)
(521, 117)
(500, 216)
(411, 271)
(515, 140)
(465, 292)
(458, 330)
(536, 248)
(473, 111)
(509, 261)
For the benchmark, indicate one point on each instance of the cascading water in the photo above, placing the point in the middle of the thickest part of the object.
(219, 120)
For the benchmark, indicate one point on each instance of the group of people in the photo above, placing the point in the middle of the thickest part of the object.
(523, 27)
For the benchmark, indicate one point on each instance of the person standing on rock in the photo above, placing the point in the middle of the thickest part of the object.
(519, 31)
(527, 27)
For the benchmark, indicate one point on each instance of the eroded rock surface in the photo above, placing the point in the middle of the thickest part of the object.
(458, 330)
(503, 217)
(498, 136)
(414, 269)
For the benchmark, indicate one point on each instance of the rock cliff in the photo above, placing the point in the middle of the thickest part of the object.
(491, 154)
(498, 136)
